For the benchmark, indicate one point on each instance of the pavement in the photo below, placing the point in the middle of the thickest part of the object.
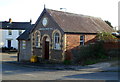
(13, 70)
(99, 67)
(17, 72)
(112, 66)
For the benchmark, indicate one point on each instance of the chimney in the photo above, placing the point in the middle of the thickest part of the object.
(30, 20)
(63, 9)
(10, 20)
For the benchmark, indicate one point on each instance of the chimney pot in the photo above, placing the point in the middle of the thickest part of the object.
(10, 20)
(30, 20)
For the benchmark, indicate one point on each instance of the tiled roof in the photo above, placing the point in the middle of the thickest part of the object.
(78, 23)
(25, 34)
(15, 25)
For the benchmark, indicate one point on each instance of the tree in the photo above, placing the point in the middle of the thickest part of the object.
(106, 37)
(109, 23)
(118, 31)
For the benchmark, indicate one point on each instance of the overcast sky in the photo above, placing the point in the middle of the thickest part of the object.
(24, 10)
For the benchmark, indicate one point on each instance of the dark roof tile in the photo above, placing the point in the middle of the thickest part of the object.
(15, 25)
(70, 22)
(25, 34)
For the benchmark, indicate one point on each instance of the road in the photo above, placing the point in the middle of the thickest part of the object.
(18, 72)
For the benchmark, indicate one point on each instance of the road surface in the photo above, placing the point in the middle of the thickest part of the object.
(19, 72)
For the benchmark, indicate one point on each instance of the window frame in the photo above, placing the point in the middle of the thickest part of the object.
(37, 39)
(56, 41)
(9, 32)
(82, 40)
(23, 44)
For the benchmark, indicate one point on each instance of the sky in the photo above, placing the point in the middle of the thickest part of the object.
(24, 10)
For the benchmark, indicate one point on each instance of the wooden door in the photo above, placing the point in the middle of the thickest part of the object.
(46, 50)
(9, 43)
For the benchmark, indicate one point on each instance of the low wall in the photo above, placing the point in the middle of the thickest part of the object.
(111, 45)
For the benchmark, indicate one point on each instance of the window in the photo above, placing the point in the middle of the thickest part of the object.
(10, 32)
(82, 39)
(37, 41)
(24, 44)
(20, 32)
(56, 41)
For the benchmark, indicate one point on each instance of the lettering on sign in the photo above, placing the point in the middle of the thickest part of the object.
(46, 29)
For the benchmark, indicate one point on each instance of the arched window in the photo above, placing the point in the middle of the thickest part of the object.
(56, 41)
(37, 39)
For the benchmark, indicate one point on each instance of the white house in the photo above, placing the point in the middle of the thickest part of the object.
(9, 31)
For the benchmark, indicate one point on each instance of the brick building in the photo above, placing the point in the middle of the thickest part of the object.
(56, 32)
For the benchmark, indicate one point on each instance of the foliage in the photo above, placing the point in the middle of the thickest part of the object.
(88, 62)
(91, 51)
(6, 49)
(109, 23)
(68, 55)
(106, 37)
(113, 52)
(67, 62)
(118, 31)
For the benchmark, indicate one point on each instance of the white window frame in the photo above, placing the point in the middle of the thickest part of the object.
(56, 41)
(23, 44)
(9, 32)
(37, 40)
(82, 40)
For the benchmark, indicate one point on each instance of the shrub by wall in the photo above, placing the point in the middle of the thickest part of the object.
(91, 51)
(106, 46)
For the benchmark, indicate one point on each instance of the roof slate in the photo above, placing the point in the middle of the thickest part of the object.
(15, 25)
(71, 23)
(77, 23)
(25, 34)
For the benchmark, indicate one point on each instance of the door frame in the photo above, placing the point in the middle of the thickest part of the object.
(44, 38)
(46, 50)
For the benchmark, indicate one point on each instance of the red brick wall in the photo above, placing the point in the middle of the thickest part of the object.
(73, 40)
(111, 45)
(89, 39)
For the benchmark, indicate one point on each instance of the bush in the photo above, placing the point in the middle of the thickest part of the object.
(91, 51)
(113, 52)
(98, 49)
(6, 49)
(88, 62)
(106, 37)
(67, 62)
